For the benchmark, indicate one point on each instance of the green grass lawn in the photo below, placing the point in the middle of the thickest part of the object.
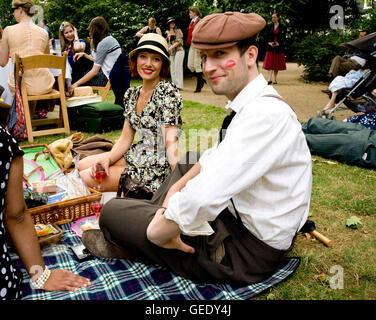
(339, 192)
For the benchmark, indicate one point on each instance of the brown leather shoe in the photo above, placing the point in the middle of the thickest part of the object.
(98, 246)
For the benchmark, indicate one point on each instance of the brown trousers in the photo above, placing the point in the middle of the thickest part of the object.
(340, 66)
(247, 260)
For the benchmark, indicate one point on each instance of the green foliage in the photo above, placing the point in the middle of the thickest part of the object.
(367, 21)
(6, 16)
(316, 52)
(124, 18)
(301, 17)
(353, 222)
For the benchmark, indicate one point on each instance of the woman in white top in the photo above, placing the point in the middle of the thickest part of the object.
(106, 51)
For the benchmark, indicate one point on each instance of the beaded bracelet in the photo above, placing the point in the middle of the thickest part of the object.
(40, 282)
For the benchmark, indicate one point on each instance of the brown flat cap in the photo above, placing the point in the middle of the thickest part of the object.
(222, 30)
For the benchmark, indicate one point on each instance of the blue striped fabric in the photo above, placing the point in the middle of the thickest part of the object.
(115, 279)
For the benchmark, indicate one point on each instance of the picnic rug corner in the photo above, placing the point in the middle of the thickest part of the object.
(117, 279)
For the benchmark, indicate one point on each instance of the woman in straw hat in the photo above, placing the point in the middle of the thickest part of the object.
(26, 39)
(20, 227)
(151, 109)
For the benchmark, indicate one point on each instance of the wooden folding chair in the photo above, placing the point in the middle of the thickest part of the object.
(44, 61)
(105, 90)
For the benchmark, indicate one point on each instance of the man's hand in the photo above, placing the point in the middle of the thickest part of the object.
(166, 233)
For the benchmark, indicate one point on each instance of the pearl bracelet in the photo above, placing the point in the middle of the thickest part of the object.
(40, 282)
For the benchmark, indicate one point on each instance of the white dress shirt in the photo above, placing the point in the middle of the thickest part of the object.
(263, 164)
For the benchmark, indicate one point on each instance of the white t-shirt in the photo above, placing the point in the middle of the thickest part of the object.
(263, 164)
(108, 51)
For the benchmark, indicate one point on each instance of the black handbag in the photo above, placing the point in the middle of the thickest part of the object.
(129, 188)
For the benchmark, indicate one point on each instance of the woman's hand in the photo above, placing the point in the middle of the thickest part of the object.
(78, 55)
(71, 89)
(60, 280)
(105, 164)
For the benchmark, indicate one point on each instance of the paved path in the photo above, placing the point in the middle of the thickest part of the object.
(305, 98)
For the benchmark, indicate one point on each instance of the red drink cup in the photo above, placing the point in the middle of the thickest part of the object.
(96, 208)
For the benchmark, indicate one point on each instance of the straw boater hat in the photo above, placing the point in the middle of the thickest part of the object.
(152, 41)
(223, 30)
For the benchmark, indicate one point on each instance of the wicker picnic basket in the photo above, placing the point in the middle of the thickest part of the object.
(63, 211)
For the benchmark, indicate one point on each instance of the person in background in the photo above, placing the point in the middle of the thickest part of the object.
(106, 51)
(50, 35)
(176, 50)
(150, 28)
(18, 224)
(342, 65)
(275, 59)
(194, 60)
(71, 44)
(26, 39)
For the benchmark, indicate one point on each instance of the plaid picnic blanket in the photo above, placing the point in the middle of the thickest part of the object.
(117, 279)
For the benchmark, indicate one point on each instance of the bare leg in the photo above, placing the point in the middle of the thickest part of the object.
(332, 102)
(270, 73)
(110, 183)
(275, 76)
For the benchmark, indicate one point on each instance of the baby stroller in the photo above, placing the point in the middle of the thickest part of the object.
(359, 98)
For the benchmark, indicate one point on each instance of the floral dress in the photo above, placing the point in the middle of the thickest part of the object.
(10, 277)
(147, 162)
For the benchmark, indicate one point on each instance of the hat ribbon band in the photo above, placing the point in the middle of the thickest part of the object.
(153, 43)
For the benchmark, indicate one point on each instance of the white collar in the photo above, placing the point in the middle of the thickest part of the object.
(249, 92)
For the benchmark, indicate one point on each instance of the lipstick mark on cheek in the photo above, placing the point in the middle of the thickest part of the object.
(230, 63)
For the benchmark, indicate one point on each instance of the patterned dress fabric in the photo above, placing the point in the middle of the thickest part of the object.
(147, 162)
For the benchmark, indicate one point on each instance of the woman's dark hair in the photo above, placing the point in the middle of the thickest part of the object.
(133, 65)
(278, 16)
(98, 29)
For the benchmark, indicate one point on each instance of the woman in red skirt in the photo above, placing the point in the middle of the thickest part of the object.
(275, 59)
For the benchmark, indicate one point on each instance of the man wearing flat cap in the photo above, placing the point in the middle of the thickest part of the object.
(232, 216)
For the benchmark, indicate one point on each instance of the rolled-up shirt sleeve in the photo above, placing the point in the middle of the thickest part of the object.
(254, 141)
